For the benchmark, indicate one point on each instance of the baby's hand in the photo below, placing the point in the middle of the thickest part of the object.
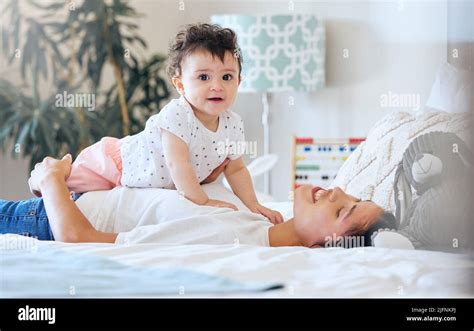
(220, 204)
(274, 216)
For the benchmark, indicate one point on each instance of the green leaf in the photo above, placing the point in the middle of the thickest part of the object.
(54, 6)
(41, 66)
(34, 127)
(45, 48)
(23, 133)
(28, 51)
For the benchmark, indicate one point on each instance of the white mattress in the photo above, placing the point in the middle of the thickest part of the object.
(333, 272)
(305, 272)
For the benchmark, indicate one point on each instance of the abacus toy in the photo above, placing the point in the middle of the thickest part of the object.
(317, 161)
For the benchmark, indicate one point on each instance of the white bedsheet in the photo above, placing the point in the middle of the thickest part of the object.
(333, 272)
(318, 273)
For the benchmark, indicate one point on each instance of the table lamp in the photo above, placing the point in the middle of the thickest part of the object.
(280, 53)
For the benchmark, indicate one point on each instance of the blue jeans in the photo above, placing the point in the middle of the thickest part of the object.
(26, 218)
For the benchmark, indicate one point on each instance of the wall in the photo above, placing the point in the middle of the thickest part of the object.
(393, 46)
(461, 34)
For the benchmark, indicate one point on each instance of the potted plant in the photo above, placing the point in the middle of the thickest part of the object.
(70, 55)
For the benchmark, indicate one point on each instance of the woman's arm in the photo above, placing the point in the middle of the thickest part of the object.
(67, 222)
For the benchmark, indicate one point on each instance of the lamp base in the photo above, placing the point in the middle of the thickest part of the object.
(266, 140)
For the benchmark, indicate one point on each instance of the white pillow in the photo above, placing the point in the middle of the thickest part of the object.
(451, 90)
(391, 239)
(369, 171)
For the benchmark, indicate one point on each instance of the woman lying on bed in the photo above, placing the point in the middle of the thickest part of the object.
(318, 214)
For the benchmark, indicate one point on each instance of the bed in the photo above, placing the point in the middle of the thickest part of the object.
(290, 272)
(240, 270)
(32, 268)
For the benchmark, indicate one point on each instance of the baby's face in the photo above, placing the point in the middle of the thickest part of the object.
(209, 85)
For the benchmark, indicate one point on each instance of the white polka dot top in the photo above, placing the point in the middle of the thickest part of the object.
(143, 159)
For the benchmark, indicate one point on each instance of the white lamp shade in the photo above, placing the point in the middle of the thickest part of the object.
(280, 52)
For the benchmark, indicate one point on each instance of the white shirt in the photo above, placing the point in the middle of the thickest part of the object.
(160, 216)
(143, 160)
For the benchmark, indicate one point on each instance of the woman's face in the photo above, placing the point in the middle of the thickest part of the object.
(320, 214)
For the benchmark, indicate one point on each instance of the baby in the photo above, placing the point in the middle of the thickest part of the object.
(190, 137)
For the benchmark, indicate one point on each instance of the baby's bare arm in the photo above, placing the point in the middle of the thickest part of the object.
(241, 183)
(184, 178)
(183, 175)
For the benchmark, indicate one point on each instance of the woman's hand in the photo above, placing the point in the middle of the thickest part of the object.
(67, 222)
(47, 170)
(216, 172)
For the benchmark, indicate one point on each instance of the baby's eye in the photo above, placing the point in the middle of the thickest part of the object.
(203, 77)
(227, 77)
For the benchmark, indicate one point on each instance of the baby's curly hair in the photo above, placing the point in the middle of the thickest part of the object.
(202, 36)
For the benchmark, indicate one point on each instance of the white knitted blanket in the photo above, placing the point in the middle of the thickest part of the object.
(370, 170)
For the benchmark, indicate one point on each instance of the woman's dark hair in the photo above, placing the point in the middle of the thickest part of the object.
(353, 237)
(209, 37)
(386, 221)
